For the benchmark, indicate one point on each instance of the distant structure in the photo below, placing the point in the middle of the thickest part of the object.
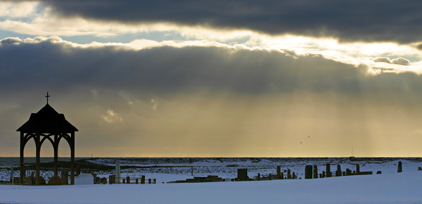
(49, 125)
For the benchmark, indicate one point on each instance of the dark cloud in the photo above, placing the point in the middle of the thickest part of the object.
(9, 41)
(382, 59)
(168, 70)
(378, 20)
(401, 61)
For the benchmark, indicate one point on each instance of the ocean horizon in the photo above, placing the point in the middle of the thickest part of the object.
(14, 161)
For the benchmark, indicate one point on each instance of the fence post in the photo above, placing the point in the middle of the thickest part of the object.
(143, 179)
(328, 170)
(278, 172)
(288, 174)
(308, 171)
(399, 168)
(111, 179)
(357, 169)
(338, 172)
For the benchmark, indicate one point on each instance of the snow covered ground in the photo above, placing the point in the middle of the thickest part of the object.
(385, 188)
(388, 187)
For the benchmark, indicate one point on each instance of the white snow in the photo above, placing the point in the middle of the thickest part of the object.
(388, 187)
(385, 188)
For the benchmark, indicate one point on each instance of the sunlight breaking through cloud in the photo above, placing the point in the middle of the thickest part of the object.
(111, 117)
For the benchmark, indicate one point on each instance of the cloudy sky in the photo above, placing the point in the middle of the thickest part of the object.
(243, 78)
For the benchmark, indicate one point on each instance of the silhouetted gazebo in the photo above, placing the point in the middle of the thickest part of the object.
(49, 125)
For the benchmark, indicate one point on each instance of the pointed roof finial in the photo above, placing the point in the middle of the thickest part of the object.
(47, 97)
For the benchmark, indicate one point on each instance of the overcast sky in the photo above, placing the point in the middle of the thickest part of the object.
(216, 78)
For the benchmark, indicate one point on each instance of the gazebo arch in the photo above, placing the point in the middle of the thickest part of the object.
(47, 125)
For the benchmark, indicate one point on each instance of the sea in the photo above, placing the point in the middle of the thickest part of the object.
(14, 161)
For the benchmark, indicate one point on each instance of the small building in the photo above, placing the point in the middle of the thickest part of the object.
(47, 124)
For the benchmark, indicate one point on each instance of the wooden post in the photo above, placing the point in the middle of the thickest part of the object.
(111, 179)
(308, 171)
(56, 154)
(38, 159)
(22, 166)
(338, 172)
(143, 179)
(288, 174)
(278, 172)
(72, 159)
(399, 167)
(328, 170)
(357, 169)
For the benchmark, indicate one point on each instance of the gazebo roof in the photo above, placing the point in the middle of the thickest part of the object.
(47, 120)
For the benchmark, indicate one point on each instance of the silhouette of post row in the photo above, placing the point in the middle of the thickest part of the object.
(311, 172)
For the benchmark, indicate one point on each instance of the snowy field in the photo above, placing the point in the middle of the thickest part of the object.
(385, 188)
(388, 187)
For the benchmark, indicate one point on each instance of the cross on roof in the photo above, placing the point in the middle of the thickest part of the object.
(47, 97)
